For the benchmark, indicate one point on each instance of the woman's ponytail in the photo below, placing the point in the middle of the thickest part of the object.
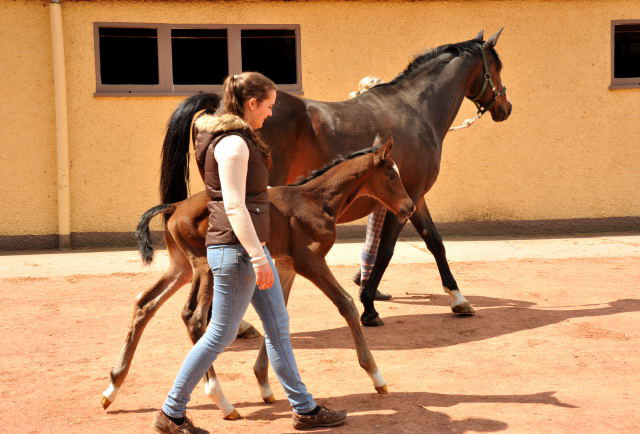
(230, 96)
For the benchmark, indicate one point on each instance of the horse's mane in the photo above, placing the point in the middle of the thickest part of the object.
(314, 174)
(471, 47)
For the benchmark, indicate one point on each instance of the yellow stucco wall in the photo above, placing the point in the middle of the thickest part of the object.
(569, 150)
(27, 123)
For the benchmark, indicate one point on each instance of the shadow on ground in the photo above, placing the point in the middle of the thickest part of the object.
(445, 329)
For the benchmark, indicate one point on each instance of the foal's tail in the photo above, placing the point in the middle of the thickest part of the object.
(143, 236)
(174, 172)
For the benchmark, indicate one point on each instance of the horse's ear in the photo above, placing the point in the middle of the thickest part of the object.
(479, 36)
(377, 140)
(384, 151)
(493, 39)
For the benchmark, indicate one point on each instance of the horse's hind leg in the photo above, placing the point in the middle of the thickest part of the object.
(423, 223)
(147, 303)
(316, 270)
(261, 367)
(195, 315)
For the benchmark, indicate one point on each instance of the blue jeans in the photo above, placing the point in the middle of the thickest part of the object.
(234, 286)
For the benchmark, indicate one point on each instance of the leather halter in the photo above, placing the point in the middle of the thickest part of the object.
(497, 95)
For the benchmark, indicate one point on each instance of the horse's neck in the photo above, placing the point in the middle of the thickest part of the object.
(438, 94)
(335, 191)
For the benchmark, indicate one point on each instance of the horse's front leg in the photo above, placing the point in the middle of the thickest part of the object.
(423, 223)
(261, 367)
(390, 231)
(314, 268)
(195, 315)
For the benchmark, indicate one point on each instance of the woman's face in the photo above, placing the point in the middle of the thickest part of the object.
(256, 112)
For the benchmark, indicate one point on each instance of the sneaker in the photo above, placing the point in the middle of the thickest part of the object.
(324, 417)
(163, 424)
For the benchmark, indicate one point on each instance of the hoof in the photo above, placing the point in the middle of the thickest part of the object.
(234, 415)
(249, 333)
(105, 402)
(382, 390)
(371, 321)
(269, 399)
(356, 278)
(463, 309)
(382, 297)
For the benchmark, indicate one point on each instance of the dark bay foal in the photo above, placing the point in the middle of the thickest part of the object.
(303, 230)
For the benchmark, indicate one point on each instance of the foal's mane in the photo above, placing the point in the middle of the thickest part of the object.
(469, 48)
(316, 173)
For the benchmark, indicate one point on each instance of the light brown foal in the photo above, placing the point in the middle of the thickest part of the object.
(303, 230)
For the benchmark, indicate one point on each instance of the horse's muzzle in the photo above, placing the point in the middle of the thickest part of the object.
(406, 211)
(501, 111)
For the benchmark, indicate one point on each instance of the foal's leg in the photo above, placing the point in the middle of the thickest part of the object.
(423, 223)
(261, 367)
(195, 315)
(390, 231)
(315, 268)
(147, 303)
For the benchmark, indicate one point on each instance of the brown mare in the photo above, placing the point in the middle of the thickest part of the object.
(417, 108)
(303, 229)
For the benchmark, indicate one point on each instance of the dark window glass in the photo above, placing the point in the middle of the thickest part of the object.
(271, 52)
(199, 56)
(128, 56)
(627, 51)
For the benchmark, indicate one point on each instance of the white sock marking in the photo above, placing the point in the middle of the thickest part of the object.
(377, 379)
(265, 390)
(457, 297)
(111, 392)
(213, 390)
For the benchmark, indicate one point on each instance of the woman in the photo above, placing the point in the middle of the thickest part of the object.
(234, 164)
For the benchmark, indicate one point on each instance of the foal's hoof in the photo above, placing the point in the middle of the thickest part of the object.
(249, 333)
(371, 320)
(234, 415)
(269, 399)
(463, 309)
(382, 390)
(105, 402)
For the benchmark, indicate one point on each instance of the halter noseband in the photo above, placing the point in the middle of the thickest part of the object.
(487, 79)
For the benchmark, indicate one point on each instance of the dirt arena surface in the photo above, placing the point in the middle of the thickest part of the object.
(554, 347)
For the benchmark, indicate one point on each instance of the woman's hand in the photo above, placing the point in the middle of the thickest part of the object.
(264, 276)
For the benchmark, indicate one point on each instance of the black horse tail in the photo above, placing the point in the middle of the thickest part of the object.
(174, 172)
(143, 236)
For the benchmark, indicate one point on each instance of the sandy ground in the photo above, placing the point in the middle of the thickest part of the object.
(553, 347)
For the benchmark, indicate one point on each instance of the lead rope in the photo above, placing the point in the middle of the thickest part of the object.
(466, 123)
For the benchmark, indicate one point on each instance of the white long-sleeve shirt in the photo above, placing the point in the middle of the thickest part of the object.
(232, 155)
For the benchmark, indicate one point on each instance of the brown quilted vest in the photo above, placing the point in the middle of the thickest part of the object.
(208, 130)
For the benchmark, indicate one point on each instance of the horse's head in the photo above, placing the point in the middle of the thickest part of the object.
(486, 89)
(384, 182)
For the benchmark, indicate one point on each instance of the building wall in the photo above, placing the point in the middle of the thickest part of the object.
(27, 122)
(569, 149)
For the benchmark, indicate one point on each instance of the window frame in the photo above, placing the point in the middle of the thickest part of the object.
(621, 83)
(165, 87)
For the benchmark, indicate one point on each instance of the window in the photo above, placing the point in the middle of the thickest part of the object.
(625, 54)
(272, 52)
(172, 59)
